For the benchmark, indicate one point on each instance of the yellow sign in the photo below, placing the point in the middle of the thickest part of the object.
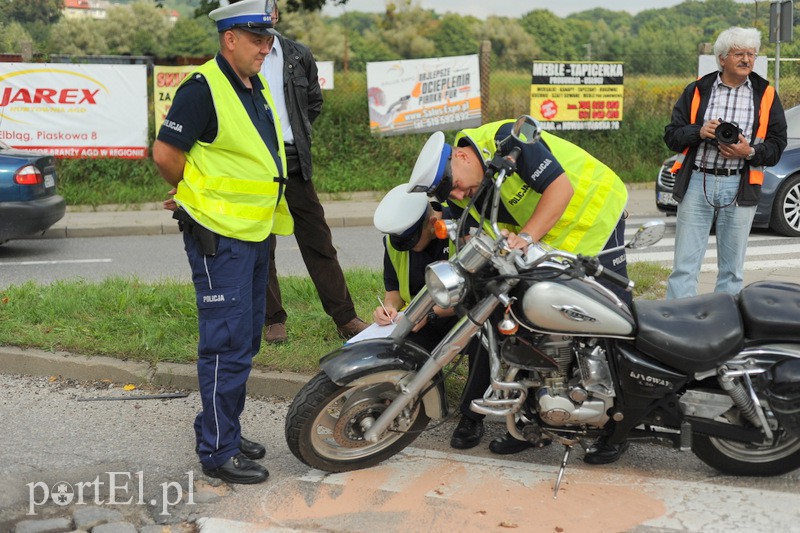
(165, 82)
(577, 96)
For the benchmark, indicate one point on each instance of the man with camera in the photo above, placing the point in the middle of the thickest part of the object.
(727, 126)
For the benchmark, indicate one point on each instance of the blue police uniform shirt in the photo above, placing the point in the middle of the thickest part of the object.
(536, 166)
(192, 116)
(417, 261)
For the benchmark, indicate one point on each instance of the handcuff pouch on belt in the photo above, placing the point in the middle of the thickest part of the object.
(207, 239)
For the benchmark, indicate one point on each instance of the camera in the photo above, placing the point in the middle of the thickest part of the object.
(727, 132)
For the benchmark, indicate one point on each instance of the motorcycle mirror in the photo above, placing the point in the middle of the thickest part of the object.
(648, 234)
(526, 130)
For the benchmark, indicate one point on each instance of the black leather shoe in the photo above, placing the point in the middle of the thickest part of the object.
(251, 450)
(467, 434)
(602, 453)
(507, 444)
(239, 469)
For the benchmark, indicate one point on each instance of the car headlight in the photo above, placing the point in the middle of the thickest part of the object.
(446, 284)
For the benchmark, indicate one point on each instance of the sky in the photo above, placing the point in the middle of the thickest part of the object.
(509, 8)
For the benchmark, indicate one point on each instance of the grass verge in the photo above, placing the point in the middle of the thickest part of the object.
(153, 322)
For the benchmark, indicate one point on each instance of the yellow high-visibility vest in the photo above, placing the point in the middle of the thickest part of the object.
(230, 184)
(596, 206)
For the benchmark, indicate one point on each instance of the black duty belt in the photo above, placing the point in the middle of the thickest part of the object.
(719, 171)
(291, 150)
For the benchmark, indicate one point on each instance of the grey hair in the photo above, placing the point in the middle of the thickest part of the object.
(736, 37)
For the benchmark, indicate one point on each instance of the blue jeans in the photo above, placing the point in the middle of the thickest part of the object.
(695, 217)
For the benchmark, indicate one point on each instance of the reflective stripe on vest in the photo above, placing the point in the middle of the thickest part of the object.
(692, 117)
(400, 261)
(756, 173)
(597, 203)
(229, 185)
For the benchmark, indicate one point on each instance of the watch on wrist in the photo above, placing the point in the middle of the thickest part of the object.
(751, 154)
(525, 237)
(432, 315)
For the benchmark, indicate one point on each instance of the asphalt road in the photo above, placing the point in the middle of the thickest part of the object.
(51, 434)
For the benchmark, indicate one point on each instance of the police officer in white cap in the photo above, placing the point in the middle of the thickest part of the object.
(221, 148)
(559, 194)
(410, 245)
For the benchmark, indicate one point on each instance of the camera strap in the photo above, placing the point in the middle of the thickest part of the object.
(705, 191)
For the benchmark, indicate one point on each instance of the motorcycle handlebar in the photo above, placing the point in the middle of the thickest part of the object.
(593, 267)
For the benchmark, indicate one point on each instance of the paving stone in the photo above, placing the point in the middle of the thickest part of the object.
(52, 525)
(115, 527)
(89, 517)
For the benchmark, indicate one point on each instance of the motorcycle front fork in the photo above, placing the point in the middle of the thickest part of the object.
(450, 346)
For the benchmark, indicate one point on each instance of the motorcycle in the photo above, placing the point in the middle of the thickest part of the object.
(569, 361)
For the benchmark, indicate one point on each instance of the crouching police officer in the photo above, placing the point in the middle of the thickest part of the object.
(559, 194)
(221, 147)
(410, 245)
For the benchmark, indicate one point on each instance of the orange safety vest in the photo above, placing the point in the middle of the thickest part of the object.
(756, 173)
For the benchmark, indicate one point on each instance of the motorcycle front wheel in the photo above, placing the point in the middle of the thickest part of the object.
(326, 422)
(749, 459)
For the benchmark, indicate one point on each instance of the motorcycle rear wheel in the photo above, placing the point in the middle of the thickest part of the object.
(749, 459)
(326, 422)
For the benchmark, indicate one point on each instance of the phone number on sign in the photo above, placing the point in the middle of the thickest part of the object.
(441, 120)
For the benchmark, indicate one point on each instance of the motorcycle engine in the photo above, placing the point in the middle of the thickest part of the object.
(571, 377)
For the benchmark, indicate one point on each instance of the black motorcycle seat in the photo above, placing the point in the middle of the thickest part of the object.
(771, 311)
(690, 334)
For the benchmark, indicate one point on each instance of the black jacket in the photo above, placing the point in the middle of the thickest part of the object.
(680, 133)
(303, 97)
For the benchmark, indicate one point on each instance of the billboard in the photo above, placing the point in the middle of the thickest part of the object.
(422, 95)
(75, 111)
(572, 95)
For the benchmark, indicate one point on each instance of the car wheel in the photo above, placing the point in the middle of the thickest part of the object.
(785, 217)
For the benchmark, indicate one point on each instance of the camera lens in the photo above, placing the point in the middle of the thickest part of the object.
(727, 132)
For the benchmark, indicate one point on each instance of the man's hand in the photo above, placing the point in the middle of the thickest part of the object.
(170, 204)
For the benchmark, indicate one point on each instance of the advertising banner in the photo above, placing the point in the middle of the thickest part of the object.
(165, 83)
(75, 111)
(325, 74)
(421, 95)
(577, 95)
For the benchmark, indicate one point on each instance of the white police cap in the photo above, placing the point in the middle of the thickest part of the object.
(254, 16)
(400, 211)
(431, 173)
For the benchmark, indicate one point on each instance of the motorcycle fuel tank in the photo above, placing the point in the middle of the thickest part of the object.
(570, 306)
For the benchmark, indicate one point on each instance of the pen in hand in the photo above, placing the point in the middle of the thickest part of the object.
(384, 309)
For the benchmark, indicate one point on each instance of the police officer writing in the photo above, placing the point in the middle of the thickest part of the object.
(727, 125)
(221, 147)
(410, 245)
(291, 72)
(559, 194)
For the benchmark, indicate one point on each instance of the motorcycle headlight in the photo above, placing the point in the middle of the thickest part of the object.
(446, 284)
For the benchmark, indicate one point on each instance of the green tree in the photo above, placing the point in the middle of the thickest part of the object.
(12, 35)
(192, 37)
(138, 29)
(552, 35)
(33, 11)
(325, 39)
(78, 37)
(512, 46)
(456, 35)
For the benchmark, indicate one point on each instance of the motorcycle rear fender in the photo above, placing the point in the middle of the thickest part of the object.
(381, 360)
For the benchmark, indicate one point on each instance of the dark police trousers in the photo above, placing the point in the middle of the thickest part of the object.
(231, 293)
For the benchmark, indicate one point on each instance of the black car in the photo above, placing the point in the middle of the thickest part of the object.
(28, 200)
(779, 206)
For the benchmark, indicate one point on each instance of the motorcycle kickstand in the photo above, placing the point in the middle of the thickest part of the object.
(567, 450)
